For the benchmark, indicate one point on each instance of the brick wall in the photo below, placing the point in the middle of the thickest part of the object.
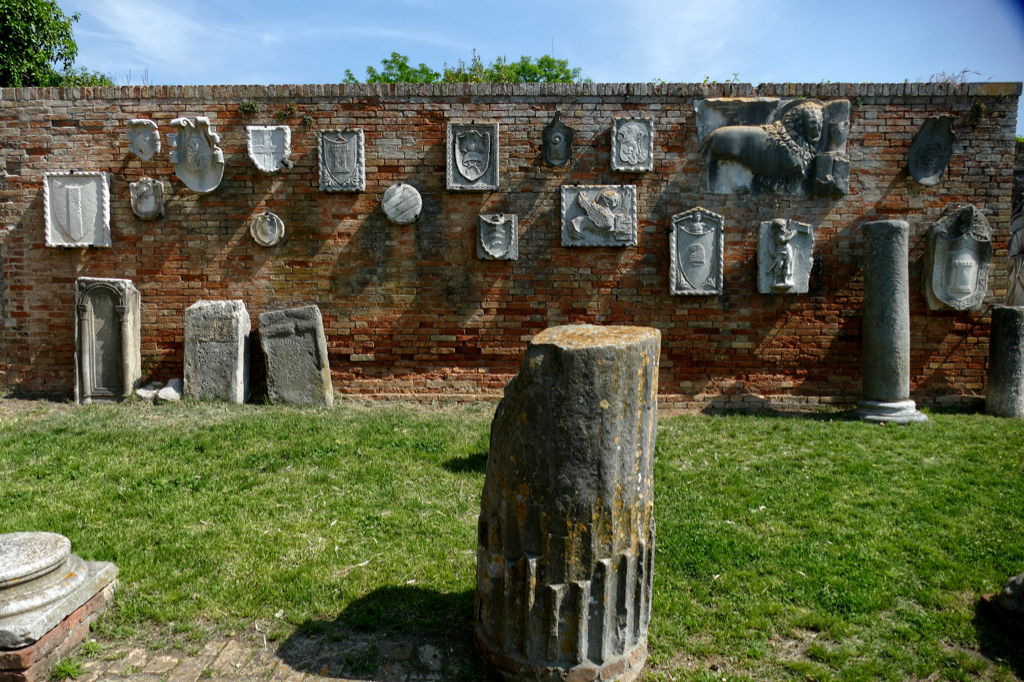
(411, 309)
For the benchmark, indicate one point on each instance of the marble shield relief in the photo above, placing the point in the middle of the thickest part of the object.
(342, 160)
(269, 147)
(696, 258)
(77, 208)
(785, 255)
(498, 237)
(632, 145)
(108, 350)
(599, 215)
(472, 157)
(147, 198)
(143, 138)
(267, 229)
(957, 255)
(198, 161)
(556, 142)
(930, 150)
(401, 204)
(775, 146)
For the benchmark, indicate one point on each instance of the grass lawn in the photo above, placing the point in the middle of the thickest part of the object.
(788, 548)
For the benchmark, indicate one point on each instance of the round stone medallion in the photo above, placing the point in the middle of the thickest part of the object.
(267, 229)
(24, 556)
(402, 204)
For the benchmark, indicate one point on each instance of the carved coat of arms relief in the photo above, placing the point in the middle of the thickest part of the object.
(77, 208)
(957, 255)
(472, 157)
(498, 237)
(269, 147)
(342, 160)
(696, 246)
(556, 142)
(198, 161)
(632, 145)
(143, 138)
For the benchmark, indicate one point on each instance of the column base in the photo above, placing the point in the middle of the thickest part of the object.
(899, 412)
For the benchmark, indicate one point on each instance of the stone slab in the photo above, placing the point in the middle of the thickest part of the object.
(599, 215)
(295, 348)
(1005, 387)
(108, 339)
(217, 351)
(87, 579)
(76, 206)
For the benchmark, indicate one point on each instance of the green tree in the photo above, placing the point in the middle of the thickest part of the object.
(37, 47)
(544, 69)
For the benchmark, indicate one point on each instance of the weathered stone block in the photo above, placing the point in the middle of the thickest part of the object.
(108, 339)
(566, 531)
(1005, 396)
(295, 347)
(217, 351)
(41, 583)
(77, 208)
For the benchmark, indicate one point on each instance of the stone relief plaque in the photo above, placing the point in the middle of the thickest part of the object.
(930, 150)
(147, 198)
(696, 253)
(108, 339)
(957, 255)
(269, 147)
(143, 138)
(295, 349)
(342, 161)
(267, 229)
(599, 215)
(556, 142)
(402, 204)
(633, 145)
(765, 145)
(472, 157)
(498, 237)
(76, 205)
(785, 255)
(198, 161)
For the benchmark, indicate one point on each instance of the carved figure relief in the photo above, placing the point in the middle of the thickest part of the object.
(599, 215)
(633, 145)
(957, 255)
(785, 252)
(696, 244)
(108, 341)
(147, 198)
(198, 161)
(269, 147)
(402, 204)
(556, 142)
(498, 237)
(342, 161)
(766, 145)
(267, 229)
(143, 138)
(1015, 279)
(472, 156)
(76, 205)
(930, 150)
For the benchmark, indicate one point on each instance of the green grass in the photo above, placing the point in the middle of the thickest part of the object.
(788, 548)
(66, 669)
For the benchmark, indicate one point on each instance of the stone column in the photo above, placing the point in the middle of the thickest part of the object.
(886, 344)
(1005, 395)
(566, 529)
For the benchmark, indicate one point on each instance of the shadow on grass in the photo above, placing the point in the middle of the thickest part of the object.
(999, 639)
(387, 634)
(470, 464)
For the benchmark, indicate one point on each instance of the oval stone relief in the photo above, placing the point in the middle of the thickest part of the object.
(267, 229)
(402, 204)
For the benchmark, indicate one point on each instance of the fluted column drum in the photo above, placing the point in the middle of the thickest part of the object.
(566, 530)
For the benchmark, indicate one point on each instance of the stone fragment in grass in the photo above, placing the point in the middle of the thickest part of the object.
(217, 351)
(295, 347)
(1011, 597)
(171, 393)
(149, 391)
(566, 528)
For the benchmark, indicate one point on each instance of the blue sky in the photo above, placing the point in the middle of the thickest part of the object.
(307, 41)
